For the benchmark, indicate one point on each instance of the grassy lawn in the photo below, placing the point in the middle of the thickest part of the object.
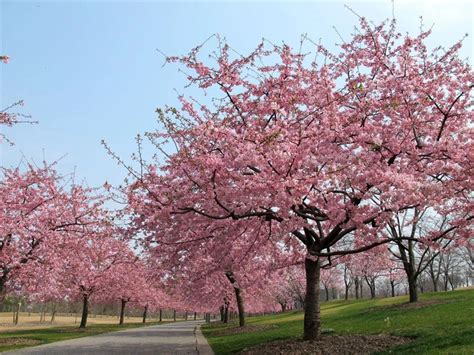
(443, 323)
(52, 334)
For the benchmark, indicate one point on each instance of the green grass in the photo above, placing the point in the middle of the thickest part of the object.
(443, 325)
(53, 334)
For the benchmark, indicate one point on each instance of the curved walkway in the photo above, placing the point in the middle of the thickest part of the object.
(170, 338)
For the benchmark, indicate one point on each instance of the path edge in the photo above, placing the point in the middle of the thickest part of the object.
(202, 346)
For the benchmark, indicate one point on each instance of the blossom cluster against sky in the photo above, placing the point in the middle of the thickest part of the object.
(90, 71)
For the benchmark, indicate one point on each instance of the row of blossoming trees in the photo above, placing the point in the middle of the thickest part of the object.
(59, 243)
(309, 162)
(299, 175)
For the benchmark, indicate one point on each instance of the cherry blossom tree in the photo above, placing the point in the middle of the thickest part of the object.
(57, 240)
(38, 282)
(95, 267)
(370, 266)
(60, 230)
(395, 276)
(38, 214)
(213, 280)
(285, 286)
(127, 284)
(331, 279)
(432, 230)
(323, 153)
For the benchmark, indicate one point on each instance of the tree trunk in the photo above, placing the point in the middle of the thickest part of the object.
(312, 317)
(2, 296)
(238, 297)
(85, 311)
(434, 279)
(412, 273)
(356, 286)
(347, 283)
(174, 315)
(408, 260)
(16, 313)
(3, 280)
(451, 282)
(144, 314)
(412, 290)
(161, 314)
(327, 292)
(122, 310)
(195, 315)
(221, 309)
(392, 286)
(371, 284)
(53, 313)
(420, 285)
(240, 306)
(226, 312)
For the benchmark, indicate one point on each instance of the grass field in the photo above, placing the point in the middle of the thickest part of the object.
(32, 320)
(43, 333)
(442, 323)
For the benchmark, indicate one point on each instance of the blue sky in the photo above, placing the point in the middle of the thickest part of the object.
(89, 71)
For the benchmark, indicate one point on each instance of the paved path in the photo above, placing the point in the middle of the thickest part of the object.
(170, 338)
